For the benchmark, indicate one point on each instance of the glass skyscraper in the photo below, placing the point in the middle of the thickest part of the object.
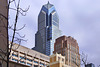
(48, 29)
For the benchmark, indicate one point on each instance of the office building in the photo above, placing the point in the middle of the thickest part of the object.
(57, 60)
(90, 65)
(24, 57)
(68, 47)
(48, 29)
(3, 31)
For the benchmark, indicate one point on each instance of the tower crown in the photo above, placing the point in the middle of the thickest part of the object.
(48, 5)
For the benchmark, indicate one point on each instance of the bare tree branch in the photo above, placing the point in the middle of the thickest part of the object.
(15, 25)
(21, 28)
(18, 11)
(84, 59)
(20, 35)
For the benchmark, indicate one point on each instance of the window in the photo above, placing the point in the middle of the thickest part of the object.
(41, 64)
(14, 55)
(68, 45)
(62, 60)
(46, 19)
(29, 60)
(49, 33)
(69, 55)
(22, 62)
(35, 62)
(58, 58)
(29, 64)
(54, 23)
(22, 57)
(55, 18)
(15, 60)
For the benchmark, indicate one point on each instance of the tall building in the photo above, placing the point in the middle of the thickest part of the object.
(68, 47)
(3, 31)
(48, 29)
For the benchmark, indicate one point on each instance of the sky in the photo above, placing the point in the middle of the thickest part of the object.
(77, 18)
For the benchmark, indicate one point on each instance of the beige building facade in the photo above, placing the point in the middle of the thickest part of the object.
(27, 57)
(57, 60)
(14, 64)
(68, 47)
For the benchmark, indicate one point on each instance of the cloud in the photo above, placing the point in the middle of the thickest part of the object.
(79, 19)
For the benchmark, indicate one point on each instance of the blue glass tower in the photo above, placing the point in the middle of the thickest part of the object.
(48, 29)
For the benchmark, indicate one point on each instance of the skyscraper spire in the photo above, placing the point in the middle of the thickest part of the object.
(48, 5)
(48, 2)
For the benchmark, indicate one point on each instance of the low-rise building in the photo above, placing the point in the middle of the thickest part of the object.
(57, 60)
(27, 57)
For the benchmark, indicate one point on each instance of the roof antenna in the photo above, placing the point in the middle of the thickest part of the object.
(48, 2)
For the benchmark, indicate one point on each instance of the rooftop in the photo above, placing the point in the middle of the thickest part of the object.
(48, 5)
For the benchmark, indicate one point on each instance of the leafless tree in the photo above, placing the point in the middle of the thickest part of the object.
(77, 64)
(18, 10)
(84, 61)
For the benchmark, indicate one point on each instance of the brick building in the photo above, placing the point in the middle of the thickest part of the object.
(68, 47)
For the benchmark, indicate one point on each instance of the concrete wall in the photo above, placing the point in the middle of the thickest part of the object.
(26, 56)
(57, 60)
(14, 64)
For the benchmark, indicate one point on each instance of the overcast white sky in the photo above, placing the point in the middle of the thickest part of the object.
(78, 18)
